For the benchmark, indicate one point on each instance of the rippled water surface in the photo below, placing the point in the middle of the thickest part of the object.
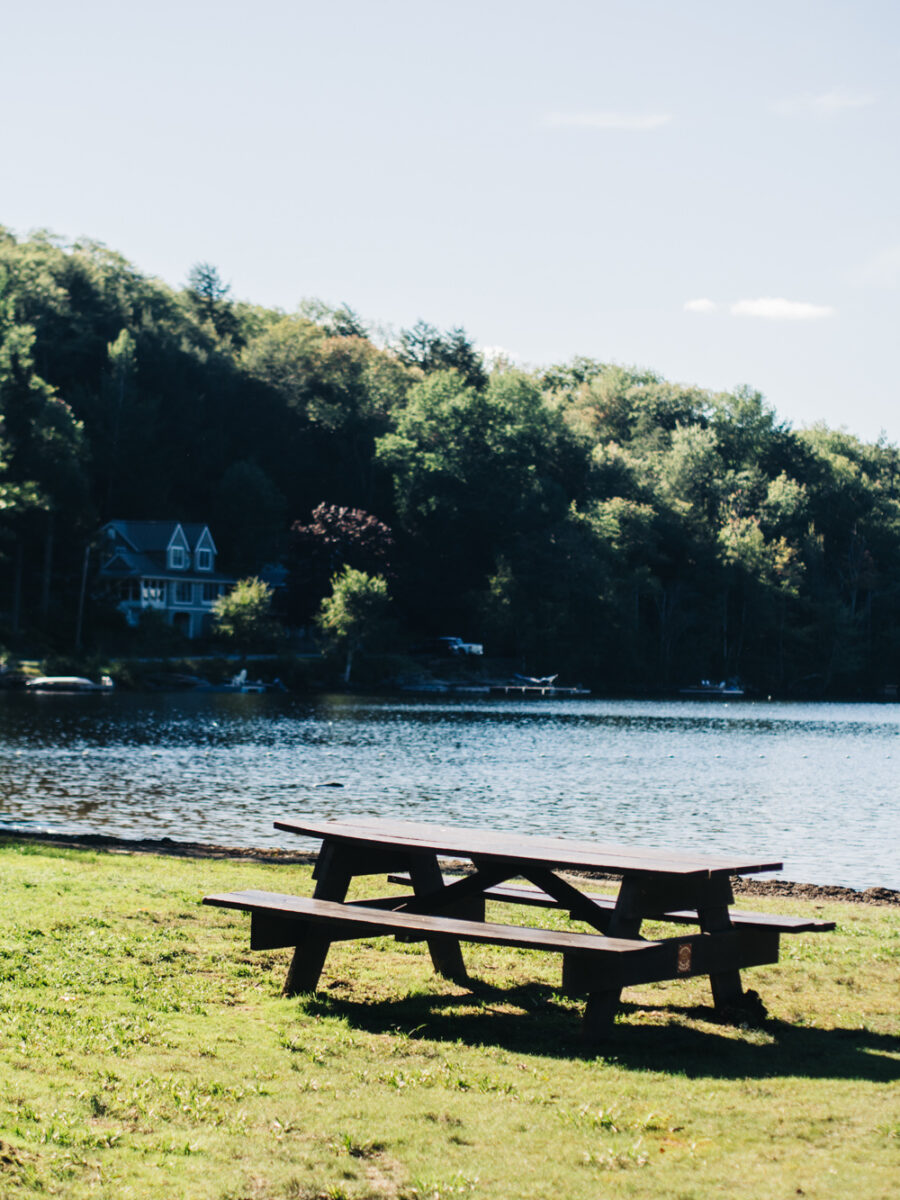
(814, 785)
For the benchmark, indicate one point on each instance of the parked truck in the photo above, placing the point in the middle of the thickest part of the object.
(458, 648)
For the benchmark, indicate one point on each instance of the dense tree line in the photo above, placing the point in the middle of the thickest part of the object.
(586, 518)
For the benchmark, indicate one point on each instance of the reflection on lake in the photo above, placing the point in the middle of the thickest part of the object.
(812, 784)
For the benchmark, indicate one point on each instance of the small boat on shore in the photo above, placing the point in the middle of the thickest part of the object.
(69, 684)
(240, 683)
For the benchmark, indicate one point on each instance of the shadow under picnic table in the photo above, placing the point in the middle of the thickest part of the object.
(646, 1037)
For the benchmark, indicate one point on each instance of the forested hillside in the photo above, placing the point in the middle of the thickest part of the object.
(587, 518)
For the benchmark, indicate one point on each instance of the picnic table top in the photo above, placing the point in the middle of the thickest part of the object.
(500, 846)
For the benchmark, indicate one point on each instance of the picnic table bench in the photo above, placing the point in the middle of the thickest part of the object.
(678, 888)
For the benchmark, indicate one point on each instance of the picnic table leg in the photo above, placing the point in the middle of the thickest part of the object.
(333, 875)
(600, 1014)
(446, 955)
(603, 1004)
(728, 992)
(727, 989)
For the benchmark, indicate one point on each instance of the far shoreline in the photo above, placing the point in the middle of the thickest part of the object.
(814, 893)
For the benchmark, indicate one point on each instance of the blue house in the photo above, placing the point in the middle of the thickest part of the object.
(167, 566)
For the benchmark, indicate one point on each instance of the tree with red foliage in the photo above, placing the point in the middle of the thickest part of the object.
(335, 537)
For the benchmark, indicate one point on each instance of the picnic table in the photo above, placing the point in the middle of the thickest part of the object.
(683, 889)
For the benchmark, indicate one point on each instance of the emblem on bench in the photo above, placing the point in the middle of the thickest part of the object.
(684, 958)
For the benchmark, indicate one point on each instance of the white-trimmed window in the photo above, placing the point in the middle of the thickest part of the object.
(211, 592)
(177, 558)
(184, 592)
(204, 560)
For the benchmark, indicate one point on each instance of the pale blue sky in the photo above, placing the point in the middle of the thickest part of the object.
(705, 187)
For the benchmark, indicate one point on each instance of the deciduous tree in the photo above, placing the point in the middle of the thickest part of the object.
(244, 615)
(354, 613)
(426, 347)
(335, 537)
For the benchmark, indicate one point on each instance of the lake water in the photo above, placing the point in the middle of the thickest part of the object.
(813, 785)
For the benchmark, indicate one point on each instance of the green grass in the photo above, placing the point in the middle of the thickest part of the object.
(145, 1052)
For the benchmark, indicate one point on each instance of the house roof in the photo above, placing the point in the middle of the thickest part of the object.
(138, 548)
(156, 535)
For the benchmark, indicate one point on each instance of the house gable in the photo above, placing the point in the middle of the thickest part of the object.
(204, 550)
(120, 564)
(116, 538)
(178, 550)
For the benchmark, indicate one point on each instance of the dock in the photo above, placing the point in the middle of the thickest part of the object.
(534, 690)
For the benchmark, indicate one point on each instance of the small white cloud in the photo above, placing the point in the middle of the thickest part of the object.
(776, 308)
(882, 270)
(634, 122)
(498, 356)
(825, 104)
(701, 305)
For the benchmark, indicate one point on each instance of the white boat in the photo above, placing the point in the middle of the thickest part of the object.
(68, 683)
(240, 683)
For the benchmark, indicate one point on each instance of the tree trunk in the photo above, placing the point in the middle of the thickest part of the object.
(782, 617)
(84, 574)
(48, 569)
(16, 614)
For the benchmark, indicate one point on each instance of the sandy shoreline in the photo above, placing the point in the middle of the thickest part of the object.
(99, 841)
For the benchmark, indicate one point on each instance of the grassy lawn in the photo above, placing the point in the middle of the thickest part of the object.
(144, 1051)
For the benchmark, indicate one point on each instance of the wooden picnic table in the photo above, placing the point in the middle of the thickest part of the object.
(679, 887)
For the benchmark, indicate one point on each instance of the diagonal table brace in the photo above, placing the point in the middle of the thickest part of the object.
(469, 888)
(580, 906)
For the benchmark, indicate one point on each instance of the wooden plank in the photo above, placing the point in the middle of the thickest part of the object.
(671, 958)
(387, 835)
(369, 922)
(593, 961)
(268, 932)
(656, 859)
(368, 860)
(511, 893)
